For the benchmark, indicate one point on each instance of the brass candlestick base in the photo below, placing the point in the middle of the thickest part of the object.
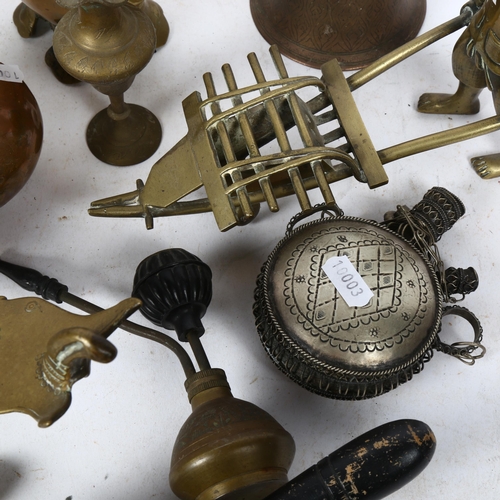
(355, 32)
(124, 141)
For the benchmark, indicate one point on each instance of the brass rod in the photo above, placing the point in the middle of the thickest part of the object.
(252, 147)
(408, 49)
(267, 190)
(334, 135)
(211, 92)
(299, 188)
(226, 142)
(279, 132)
(304, 130)
(439, 139)
(246, 129)
(323, 185)
(272, 111)
(278, 61)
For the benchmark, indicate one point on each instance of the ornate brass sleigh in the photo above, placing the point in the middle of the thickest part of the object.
(222, 150)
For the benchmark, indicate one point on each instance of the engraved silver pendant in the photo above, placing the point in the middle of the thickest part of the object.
(314, 333)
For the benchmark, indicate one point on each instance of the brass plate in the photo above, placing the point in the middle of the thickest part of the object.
(355, 32)
(328, 347)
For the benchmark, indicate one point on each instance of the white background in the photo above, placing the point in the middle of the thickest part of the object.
(115, 440)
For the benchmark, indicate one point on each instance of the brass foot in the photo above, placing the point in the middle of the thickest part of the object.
(126, 141)
(25, 20)
(488, 166)
(155, 13)
(449, 104)
(57, 70)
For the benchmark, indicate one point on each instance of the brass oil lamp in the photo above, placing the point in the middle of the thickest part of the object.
(228, 448)
(106, 43)
(355, 32)
(246, 455)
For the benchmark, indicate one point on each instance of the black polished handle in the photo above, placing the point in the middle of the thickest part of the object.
(370, 467)
(34, 281)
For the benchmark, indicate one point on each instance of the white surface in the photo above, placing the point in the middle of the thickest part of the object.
(115, 440)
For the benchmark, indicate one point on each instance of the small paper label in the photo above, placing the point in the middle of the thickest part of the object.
(11, 73)
(348, 282)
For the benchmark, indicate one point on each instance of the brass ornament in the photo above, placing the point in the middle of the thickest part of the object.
(313, 332)
(222, 150)
(356, 33)
(45, 350)
(122, 134)
(476, 59)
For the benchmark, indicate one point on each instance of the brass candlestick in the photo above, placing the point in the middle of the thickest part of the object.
(106, 43)
(355, 32)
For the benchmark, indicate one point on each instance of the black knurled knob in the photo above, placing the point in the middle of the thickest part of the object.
(175, 287)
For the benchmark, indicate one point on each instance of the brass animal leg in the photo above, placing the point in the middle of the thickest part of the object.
(463, 102)
(471, 82)
(58, 71)
(488, 166)
(25, 20)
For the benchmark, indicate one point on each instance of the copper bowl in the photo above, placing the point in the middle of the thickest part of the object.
(21, 134)
(355, 32)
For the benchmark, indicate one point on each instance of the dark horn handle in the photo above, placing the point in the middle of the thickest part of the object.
(34, 281)
(370, 467)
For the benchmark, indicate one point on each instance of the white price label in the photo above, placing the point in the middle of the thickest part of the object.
(11, 73)
(348, 282)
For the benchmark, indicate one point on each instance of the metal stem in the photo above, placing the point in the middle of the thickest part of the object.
(198, 351)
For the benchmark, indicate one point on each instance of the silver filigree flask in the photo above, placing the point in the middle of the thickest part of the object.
(351, 308)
